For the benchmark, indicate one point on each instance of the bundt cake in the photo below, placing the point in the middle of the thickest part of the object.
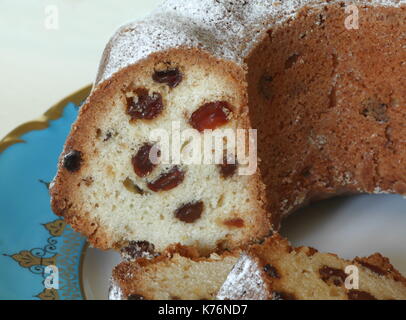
(178, 274)
(276, 271)
(272, 270)
(322, 82)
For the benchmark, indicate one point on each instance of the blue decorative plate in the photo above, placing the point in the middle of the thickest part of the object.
(32, 238)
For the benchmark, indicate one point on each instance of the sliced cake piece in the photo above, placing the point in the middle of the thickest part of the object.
(272, 270)
(178, 274)
(276, 271)
(121, 180)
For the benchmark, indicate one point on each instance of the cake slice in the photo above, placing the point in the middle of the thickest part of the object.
(272, 270)
(121, 180)
(179, 274)
(276, 271)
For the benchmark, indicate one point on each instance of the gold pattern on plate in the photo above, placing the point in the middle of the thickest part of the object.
(70, 254)
(56, 227)
(25, 258)
(48, 294)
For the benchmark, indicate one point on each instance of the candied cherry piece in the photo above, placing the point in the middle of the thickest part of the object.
(141, 161)
(168, 180)
(211, 115)
(72, 160)
(172, 77)
(144, 105)
(189, 212)
(234, 223)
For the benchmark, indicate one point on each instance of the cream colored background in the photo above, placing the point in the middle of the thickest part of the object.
(38, 66)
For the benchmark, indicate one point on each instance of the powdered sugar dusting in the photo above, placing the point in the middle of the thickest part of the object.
(115, 292)
(244, 281)
(228, 29)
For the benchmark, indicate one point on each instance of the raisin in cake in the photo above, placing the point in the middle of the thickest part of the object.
(323, 84)
(179, 274)
(275, 270)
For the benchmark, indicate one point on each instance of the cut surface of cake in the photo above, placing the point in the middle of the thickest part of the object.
(327, 99)
(275, 270)
(177, 275)
(121, 195)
